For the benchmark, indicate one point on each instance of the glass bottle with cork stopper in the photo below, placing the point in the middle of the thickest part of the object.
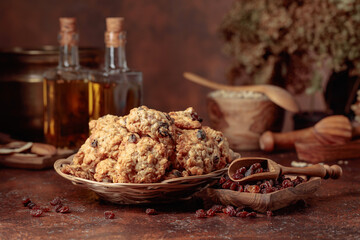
(66, 92)
(116, 89)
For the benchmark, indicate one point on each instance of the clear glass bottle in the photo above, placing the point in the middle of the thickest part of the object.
(66, 93)
(116, 89)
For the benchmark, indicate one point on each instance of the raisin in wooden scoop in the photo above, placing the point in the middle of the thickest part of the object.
(255, 168)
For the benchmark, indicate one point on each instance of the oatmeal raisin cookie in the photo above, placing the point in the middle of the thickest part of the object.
(187, 119)
(198, 152)
(141, 161)
(155, 124)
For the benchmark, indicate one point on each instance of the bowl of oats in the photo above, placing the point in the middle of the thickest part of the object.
(242, 116)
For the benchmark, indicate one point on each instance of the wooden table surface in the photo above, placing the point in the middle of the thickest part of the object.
(332, 213)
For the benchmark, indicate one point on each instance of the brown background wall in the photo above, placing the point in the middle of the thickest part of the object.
(165, 38)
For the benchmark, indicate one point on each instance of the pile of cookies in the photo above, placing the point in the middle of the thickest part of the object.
(148, 146)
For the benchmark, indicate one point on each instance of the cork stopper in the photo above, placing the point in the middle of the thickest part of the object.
(114, 24)
(67, 24)
(114, 36)
(67, 35)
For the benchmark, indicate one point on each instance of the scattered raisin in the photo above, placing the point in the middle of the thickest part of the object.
(269, 213)
(55, 201)
(31, 205)
(238, 176)
(200, 213)
(287, 183)
(109, 215)
(164, 129)
(150, 211)
(262, 186)
(94, 143)
(266, 184)
(163, 133)
(64, 209)
(25, 201)
(229, 210)
(297, 181)
(36, 212)
(268, 190)
(195, 117)
(58, 207)
(217, 208)
(227, 184)
(242, 214)
(216, 160)
(234, 186)
(210, 212)
(241, 170)
(168, 117)
(256, 166)
(132, 138)
(201, 135)
(222, 180)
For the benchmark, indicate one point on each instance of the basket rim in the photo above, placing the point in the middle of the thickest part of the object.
(175, 181)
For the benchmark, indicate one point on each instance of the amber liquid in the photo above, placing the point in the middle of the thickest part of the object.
(66, 112)
(111, 95)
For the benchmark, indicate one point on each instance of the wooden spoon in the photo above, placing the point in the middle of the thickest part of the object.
(276, 170)
(278, 95)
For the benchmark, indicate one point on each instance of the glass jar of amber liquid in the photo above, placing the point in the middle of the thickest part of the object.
(66, 93)
(116, 89)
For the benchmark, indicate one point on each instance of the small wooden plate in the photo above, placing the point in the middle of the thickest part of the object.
(264, 202)
(33, 161)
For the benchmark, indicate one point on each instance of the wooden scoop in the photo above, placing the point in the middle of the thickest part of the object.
(335, 129)
(276, 170)
(277, 95)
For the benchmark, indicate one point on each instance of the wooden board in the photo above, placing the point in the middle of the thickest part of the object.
(264, 202)
(315, 152)
(33, 161)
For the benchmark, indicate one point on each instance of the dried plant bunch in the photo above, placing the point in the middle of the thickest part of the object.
(303, 40)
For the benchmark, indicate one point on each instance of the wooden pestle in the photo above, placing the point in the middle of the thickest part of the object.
(335, 129)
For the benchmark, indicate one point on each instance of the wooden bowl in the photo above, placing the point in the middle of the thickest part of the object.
(243, 119)
(171, 190)
(264, 202)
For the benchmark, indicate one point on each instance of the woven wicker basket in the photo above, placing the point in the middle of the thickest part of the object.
(137, 193)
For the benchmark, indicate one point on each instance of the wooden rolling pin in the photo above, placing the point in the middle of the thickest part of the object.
(331, 130)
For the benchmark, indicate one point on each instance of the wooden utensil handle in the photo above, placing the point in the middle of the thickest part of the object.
(317, 170)
(269, 141)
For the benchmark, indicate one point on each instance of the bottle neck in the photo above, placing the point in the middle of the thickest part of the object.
(68, 51)
(115, 56)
